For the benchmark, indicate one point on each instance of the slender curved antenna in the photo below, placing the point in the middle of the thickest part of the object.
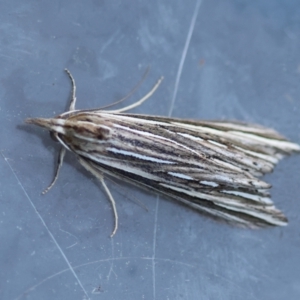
(130, 93)
(73, 95)
(139, 102)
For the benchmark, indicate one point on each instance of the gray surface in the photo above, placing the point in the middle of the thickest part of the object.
(242, 62)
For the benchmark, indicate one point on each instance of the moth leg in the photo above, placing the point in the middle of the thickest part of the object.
(113, 203)
(60, 160)
(73, 94)
(99, 176)
(129, 197)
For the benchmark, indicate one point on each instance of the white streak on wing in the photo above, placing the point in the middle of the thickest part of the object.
(275, 143)
(225, 201)
(265, 200)
(145, 133)
(158, 137)
(244, 160)
(270, 158)
(119, 166)
(196, 194)
(226, 165)
(180, 175)
(219, 177)
(210, 183)
(218, 213)
(267, 217)
(230, 204)
(217, 144)
(140, 156)
(284, 145)
(191, 137)
(254, 182)
(199, 128)
(226, 153)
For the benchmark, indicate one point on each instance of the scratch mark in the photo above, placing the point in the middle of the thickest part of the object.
(97, 262)
(154, 249)
(46, 227)
(71, 246)
(183, 56)
(18, 50)
(6, 56)
(74, 244)
(109, 41)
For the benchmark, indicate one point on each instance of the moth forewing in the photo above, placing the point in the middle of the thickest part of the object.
(210, 166)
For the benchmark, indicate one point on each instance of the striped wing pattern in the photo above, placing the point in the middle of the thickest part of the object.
(213, 167)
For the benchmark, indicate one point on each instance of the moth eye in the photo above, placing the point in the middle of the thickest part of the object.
(53, 136)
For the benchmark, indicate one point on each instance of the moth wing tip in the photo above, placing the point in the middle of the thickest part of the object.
(29, 121)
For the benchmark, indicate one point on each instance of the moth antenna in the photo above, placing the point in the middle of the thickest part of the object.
(73, 94)
(131, 92)
(139, 102)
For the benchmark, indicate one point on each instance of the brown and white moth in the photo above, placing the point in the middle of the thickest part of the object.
(211, 166)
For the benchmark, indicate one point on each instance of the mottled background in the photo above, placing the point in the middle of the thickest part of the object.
(221, 59)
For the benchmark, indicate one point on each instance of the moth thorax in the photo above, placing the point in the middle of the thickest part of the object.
(87, 129)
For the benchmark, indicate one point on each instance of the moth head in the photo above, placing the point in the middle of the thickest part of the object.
(54, 125)
(61, 127)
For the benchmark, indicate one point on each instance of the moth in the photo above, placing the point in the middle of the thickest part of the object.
(211, 166)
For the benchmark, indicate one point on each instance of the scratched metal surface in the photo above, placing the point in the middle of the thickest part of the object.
(221, 59)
